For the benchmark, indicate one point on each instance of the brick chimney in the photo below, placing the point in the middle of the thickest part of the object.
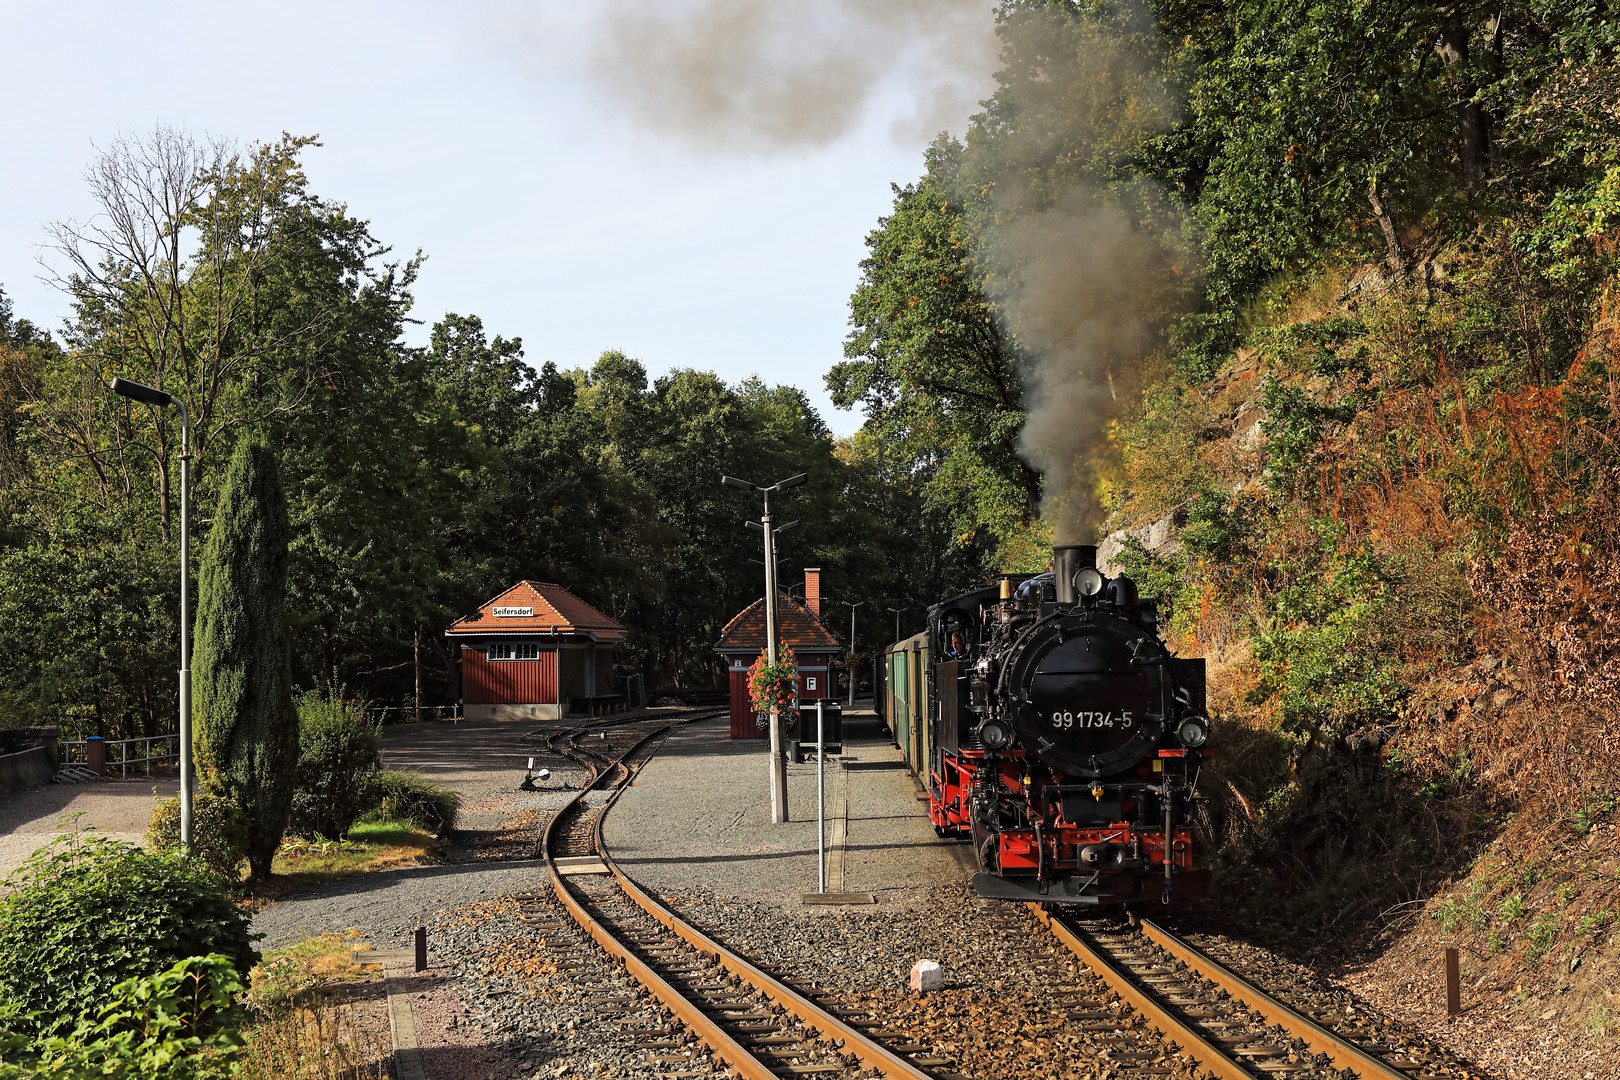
(812, 590)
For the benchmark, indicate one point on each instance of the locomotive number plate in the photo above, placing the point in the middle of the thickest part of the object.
(1064, 720)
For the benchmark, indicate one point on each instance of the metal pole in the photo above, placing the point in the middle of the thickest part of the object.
(186, 838)
(778, 766)
(821, 799)
(852, 608)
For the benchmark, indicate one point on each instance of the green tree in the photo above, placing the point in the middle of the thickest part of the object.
(247, 728)
(929, 361)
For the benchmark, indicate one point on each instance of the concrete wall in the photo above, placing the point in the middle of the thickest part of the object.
(474, 711)
(30, 768)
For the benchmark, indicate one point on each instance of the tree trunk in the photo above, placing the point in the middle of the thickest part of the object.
(416, 660)
(1473, 125)
(1393, 255)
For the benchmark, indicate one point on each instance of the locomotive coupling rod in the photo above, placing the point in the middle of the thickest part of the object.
(1318, 1038)
(1209, 1058)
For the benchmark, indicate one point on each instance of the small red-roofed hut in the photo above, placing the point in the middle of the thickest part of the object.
(798, 626)
(534, 651)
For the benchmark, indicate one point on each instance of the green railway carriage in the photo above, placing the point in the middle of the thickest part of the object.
(903, 699)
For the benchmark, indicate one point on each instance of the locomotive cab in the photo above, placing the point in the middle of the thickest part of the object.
(1067, 737)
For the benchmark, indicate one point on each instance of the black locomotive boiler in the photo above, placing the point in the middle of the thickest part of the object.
(1055, 728)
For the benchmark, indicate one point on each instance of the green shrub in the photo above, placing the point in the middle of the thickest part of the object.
(410, 797)
(337, 756)
(180, 1024)
(218, 832)
(89, 912)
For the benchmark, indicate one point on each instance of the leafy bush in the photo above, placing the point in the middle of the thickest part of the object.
(218, 828)
(180, 1024)
(410, 797)
(337, 756)
(89, 912)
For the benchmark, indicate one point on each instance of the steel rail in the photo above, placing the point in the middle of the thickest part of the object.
(708, 1031)
(1209, 1056)
(1344, 1054)
(827, 1026)
(867, 1051)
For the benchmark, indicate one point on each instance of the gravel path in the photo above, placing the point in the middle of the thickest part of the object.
(699, 816)
(117, 808)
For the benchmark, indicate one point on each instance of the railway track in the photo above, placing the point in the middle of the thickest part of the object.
(1130, 1000)
(1234, 1029)
(716, 1013)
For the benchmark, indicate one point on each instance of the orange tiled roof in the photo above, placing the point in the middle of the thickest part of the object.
(795, 626)
(538, 607)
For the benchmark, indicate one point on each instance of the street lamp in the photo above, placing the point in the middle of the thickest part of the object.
(137, 392)
(778, 765)
(897, 611)
(852, 608)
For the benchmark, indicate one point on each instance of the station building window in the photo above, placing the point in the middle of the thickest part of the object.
(514, 650)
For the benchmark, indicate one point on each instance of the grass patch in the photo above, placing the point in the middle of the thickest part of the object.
(384, 833)
(381, 844)
(315, 1014)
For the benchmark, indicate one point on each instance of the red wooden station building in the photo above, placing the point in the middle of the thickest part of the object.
(532, 652)
(798, 625)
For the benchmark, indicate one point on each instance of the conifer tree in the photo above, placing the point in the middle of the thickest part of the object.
(247, 727)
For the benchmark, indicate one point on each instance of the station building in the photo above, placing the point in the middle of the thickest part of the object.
(534, 652)
(798, 625)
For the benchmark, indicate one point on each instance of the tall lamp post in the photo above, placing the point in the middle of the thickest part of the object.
(137, 392)
(852, 608)
(778, 765)
(897, 611)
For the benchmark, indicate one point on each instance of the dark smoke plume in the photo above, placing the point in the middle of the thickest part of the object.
(767, 75)
(1092, 297)
(1090, 265)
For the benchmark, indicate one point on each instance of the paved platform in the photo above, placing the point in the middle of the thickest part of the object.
(699, 817)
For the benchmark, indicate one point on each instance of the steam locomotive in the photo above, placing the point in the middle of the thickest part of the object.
(1054, 727)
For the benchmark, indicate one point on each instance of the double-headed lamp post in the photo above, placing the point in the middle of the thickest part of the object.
(778, 765)
(852, 608)
(138, 392)
(897, 612)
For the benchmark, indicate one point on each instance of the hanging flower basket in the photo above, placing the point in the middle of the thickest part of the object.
(773, 687)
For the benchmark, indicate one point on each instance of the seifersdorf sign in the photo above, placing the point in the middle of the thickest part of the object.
(514, 612)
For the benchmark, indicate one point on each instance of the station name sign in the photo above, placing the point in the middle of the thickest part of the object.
(514, 612)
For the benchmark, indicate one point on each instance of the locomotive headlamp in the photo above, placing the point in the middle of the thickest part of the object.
(994, 735)
(1088, 581)
(1194, 731)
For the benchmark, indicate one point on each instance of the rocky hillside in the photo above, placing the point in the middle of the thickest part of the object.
(1393, 528)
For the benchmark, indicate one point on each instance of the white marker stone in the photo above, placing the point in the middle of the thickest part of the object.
(926, 975)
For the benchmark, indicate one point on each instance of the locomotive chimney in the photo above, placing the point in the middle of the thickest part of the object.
(812, 590)
(1066, 560)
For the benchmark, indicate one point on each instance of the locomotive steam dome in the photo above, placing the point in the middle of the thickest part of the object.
(1089, 692)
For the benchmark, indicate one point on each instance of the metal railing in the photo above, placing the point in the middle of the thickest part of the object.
(120, 754)
(408, 713)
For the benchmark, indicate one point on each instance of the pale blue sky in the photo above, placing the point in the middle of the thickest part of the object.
(493, 140)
